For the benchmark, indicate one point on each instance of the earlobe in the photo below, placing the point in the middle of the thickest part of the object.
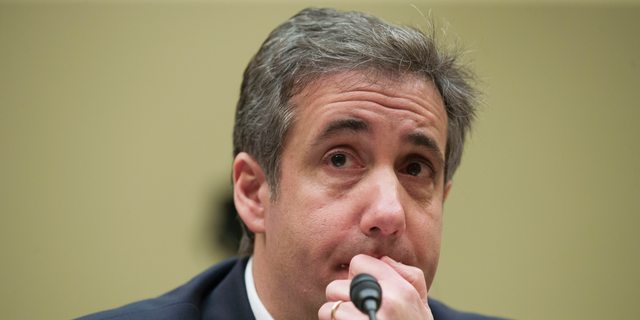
(248, 191)
(446, 190)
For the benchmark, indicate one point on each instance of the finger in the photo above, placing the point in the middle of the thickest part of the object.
(345, 311)
(366, 264)
(404, 287)
(338, 290)
(411, 274)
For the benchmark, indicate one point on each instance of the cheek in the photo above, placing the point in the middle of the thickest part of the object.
(424, 229)
(320, 219)
(307, 215)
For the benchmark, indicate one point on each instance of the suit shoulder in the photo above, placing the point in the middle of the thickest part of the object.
(147, 309)
(184, 302)
(441, 311)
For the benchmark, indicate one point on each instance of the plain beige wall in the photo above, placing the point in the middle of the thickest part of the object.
(115, 144)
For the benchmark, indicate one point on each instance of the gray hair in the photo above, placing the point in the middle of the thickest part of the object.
(319, 42)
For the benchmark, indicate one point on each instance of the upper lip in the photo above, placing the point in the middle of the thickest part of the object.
(375, 255)
(376, 249)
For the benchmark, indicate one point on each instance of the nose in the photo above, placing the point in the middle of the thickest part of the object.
(385, 215)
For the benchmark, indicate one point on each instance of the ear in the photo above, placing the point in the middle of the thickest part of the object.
(446, 190)
(250, 192)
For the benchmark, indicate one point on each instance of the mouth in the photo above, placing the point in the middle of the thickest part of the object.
(343, 266)
(342, 271)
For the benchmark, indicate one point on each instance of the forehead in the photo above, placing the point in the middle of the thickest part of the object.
(410, 101)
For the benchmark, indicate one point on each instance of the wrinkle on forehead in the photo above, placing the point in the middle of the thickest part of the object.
(423, 107)
(409, 99)
(391, 91)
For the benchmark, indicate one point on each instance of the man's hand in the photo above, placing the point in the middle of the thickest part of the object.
(404, 291)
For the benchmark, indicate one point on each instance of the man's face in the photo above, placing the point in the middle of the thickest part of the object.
(362, 172)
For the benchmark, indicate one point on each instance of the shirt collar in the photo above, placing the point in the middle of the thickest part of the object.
(258, 309)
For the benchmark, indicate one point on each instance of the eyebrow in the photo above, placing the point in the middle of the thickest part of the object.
(338, 126)
(422, 140)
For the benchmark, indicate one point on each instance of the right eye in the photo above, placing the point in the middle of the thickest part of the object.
(342, 159)
(338, 160)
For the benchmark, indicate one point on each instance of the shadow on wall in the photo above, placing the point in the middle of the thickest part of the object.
(226, 230)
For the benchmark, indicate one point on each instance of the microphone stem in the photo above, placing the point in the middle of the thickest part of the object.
(371, 306)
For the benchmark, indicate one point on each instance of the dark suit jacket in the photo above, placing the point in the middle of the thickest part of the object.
(220, 293)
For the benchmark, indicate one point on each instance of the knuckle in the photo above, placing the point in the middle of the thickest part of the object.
(414, 275)
(417, 274)
(359, 258)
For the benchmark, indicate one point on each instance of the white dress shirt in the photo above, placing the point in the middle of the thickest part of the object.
(259, 311)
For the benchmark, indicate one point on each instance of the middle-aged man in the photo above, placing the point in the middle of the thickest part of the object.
(348, 133)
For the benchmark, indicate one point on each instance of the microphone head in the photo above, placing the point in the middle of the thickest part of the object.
(364, 291)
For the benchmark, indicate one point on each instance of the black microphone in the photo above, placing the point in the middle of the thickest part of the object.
(366, 294)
